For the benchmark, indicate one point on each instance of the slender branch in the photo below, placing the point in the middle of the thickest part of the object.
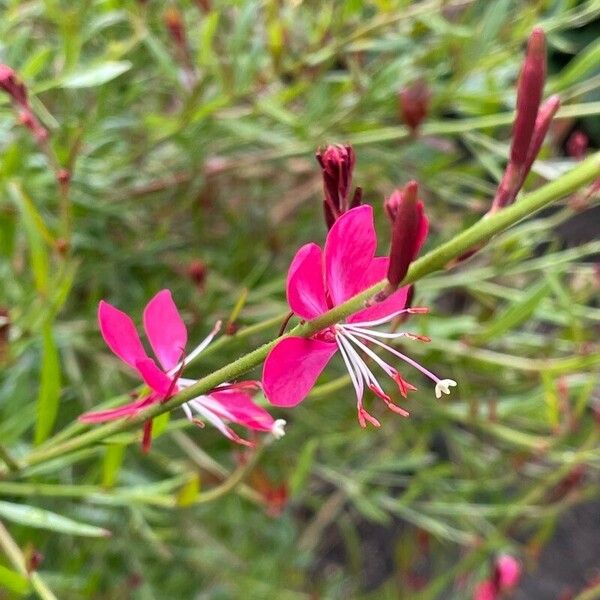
(6, 456)
(14, 554)
(479, 233)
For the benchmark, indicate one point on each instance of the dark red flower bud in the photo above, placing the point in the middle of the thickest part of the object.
(529, 95)
(63, 176)
(174, 23)
(531, 122)
(410, 228)
(10, 83)
(197, 271)
(577, 145)
(414, 104)
(337, 164)
(29, 120)
(34, 559)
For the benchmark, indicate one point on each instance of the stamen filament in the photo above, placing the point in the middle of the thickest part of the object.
(405, 358)
(196, 351)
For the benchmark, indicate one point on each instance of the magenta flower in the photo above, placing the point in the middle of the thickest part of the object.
(167, 334)
(505, 577)
(319, 280)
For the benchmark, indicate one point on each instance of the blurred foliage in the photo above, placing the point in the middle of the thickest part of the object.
(189, 129)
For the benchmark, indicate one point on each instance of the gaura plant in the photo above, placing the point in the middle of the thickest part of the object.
(167, 334)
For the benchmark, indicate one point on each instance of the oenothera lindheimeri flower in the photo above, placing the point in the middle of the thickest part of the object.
(319, 280)
(505, 577)
(167, 334)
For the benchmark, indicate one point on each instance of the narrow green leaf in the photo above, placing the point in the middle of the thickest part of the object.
(189, 492)
(303, 467)
(40, 518)
(111, 464)
(587, 60)
(515, 314)
(13, 582)
(50, 386)
(93, 76)
(37, 236)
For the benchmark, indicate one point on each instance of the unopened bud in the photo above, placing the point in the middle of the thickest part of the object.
(577, 145)
(409, 230)
(337, 164)
(10, 83)
(197, 271)
(174, 23)
(62, 246)
(529, 95)
(531, 122)
(63, 176)
(414, 104)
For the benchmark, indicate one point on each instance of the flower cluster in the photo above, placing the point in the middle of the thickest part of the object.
(318, 280)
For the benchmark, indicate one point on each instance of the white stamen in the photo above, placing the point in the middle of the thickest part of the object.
(357, 381)
(367, 374)
(381, 321)
(381, 334)
(192, 355)
(389, 370)
(405, 358)
(188, 411)
(444, 385)
(278, 428)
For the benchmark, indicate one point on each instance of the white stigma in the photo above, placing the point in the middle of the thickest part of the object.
(278, 428)
(444, 385)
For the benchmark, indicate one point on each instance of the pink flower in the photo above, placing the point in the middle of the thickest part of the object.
(319, 280)
(505, 577)
(167, 334)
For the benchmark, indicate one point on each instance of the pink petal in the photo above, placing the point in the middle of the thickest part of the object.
(508, 571)
(292, 367)
(241, 409)
(485, 591)
(305, 286)
(118, 413)
(159, 381)
(120, 334)
(165, 329)
(397, 301)
(349, 250)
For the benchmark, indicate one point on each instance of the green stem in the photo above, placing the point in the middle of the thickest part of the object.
(437, 259)
(14, 554)
(6, 456)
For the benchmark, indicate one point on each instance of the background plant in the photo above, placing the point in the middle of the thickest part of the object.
(189, 132)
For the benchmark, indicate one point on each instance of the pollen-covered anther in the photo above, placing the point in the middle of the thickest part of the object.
(388, 401)
(364, 416)
(417, 337)
(443, 386)
(278, 428)
(198, 422)
(403, 385)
